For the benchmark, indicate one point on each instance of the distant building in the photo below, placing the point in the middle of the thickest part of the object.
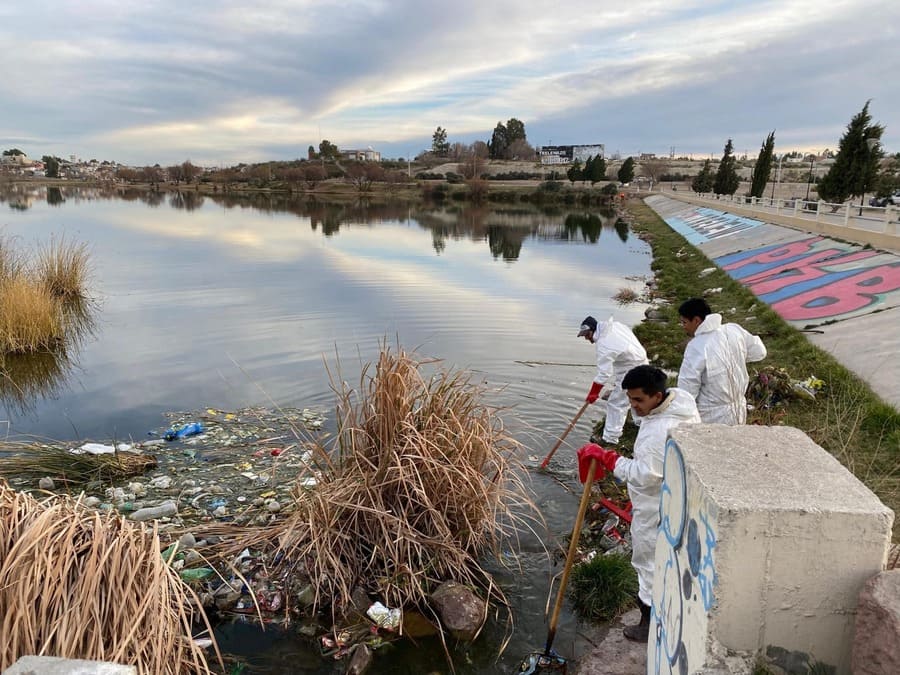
(15, 160)
(566, 154)
(367, 155)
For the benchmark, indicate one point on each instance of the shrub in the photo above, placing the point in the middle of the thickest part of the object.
(550, 186)
(604, 587)
(610, 190)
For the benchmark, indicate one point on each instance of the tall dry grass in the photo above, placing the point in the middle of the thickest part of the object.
(78, 584)
(420, 481)
(11, 261)
(43, 298)
(63, 267)
(30, 317)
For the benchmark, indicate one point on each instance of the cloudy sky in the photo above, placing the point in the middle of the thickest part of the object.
(223, 82)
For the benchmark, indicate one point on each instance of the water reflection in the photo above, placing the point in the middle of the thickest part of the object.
(54, 196)
(26, 379)
(504, 229)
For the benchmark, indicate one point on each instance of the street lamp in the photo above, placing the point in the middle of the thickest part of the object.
(871, 144)
(812, 161)
(777, 177)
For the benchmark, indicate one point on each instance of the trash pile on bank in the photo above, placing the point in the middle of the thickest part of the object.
(772, 387)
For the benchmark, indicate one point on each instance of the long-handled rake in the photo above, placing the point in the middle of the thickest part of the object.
(549, 661)
(564, 434)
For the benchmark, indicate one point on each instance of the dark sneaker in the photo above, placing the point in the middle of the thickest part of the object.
(639, 632)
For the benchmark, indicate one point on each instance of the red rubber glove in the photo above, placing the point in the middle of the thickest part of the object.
(605, 458)
(594, 393)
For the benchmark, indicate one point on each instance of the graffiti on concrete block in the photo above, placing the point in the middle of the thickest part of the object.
(816, 279)
(684, 588)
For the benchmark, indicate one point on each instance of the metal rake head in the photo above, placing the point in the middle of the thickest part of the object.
(537, 663)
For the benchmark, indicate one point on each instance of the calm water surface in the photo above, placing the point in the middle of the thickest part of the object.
(208, 302)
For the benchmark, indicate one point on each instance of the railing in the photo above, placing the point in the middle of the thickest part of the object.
(882, 219)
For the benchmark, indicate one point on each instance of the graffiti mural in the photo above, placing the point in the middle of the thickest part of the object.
(684, 590)
(700, 225)
(814, 280)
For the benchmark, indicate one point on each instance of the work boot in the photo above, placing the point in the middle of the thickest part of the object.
(639, 632)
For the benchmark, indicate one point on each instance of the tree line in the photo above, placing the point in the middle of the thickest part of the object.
(857, 167)
(508, 141)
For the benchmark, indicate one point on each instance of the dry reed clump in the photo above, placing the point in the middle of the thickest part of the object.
(30, 318)
(422, 478)
(78, 584)
(63, 267)
(626, 296)
(43, 300)
(32, 461)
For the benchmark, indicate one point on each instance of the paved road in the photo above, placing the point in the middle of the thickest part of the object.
(845, 296)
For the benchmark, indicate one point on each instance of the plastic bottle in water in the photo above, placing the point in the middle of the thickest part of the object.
(191, 429)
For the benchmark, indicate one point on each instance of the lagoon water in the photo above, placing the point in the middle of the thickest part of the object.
(232, 302)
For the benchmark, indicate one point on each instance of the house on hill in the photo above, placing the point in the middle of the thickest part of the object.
(367, 155)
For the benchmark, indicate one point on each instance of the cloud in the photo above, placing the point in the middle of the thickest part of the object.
(164, 81)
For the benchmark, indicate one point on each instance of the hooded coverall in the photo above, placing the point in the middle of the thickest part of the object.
(618, 351)
(714, 369)
(644, 477)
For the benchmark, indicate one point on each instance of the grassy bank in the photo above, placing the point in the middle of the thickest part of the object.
(338, 190)
(846, 417)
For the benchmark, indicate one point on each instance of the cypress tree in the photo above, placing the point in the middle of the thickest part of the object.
(598, 170)
(727, 180)
(626, 171)
(703, 181)
(855, 167)
(763, 166)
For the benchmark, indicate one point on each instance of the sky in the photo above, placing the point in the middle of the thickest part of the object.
(226, 82)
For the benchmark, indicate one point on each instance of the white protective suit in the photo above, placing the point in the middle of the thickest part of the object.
(714, 369)
(644, 477)
(618, 351)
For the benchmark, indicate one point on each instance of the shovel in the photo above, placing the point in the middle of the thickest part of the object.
(549, 661)
(565, 433)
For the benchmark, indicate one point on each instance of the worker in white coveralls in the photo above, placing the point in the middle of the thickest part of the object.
(618, 351)
(659, 409)
(714, 369)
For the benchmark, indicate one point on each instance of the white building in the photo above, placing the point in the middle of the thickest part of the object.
(367, 155)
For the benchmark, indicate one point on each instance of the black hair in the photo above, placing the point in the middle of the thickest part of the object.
(693, 308)
(650, 379)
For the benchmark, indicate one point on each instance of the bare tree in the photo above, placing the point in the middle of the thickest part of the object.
(363, 174)
(654, 169)
(189, 172)
(471, 166)
(520, 149)
(313, 174)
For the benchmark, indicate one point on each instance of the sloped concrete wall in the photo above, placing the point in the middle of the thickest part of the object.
(765, 541)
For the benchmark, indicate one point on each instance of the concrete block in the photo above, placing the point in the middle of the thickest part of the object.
(764, 543)
(51, 665)
(876, 647)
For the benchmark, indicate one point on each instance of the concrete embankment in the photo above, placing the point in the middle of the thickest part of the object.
(844, 296)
